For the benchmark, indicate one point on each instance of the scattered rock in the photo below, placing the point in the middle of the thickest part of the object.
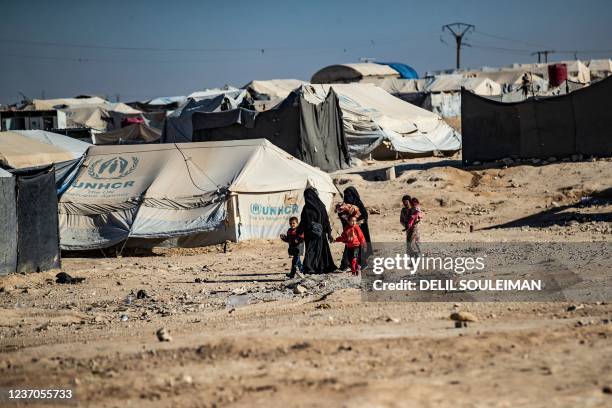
(572, 308)
(463, 317)
(163, 335)
(299, 289)
(142, 294)
(124, 318)
(374, 210)
(607, 389)
(411, 180)
(198, 280)
(390, 319)
(64, 278)
(323, 306)
(555, 204)
(185, 379)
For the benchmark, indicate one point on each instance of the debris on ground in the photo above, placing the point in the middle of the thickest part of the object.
(64, 278)
(163, 335)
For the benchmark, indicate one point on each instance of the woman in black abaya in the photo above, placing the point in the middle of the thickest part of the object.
(351, 196)
(314, 224)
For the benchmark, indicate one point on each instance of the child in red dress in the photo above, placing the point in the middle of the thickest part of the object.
(353, 239)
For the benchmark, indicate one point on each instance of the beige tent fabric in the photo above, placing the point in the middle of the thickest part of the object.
(454, 83)
(135, 132)
(95, 116)
(503, 77)
(18, 152)
(352, 73)
(400, 86)
(274, 88)
(576, 70)
(176, 190)
(49, 104)
(600, 68)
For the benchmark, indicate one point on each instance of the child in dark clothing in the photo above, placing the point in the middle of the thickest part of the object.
(353, 239)
(296, 247)
(406, 211)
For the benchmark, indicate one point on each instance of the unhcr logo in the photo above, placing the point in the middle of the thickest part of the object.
(114, 168)
(258, 209)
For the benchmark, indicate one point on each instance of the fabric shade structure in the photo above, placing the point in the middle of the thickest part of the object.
(309, 130)
(575, 123)
(378, 124)
(185, 194)
(135, 133)
(29, 240)
(344, 73)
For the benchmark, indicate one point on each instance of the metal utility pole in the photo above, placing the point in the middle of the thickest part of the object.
(544, 53)
(458, 30)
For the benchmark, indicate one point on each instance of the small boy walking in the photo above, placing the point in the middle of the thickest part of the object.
(354, 241)
(296, 247)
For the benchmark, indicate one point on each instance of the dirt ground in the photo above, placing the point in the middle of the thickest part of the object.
(241, 337)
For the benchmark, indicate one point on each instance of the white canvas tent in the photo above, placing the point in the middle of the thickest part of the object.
(18, 151)
(345, 73)
(185, 194)
(96, 116)
(377, 123)
(273, 89)
(600, 68)
(454, 83)
(50, 104)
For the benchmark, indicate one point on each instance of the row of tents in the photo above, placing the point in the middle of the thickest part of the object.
(145, 195)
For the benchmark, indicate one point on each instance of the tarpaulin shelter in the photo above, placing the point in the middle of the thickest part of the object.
(134, 133)
(309, 130)
(405, 71)
(32, 148)
(8, 223)
(575, 123)
(378, 124)
(178, 127)
(185, 194)
(28, 220)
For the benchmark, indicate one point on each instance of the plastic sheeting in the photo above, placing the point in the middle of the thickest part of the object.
(178, 127)
(372, 116)
(559, 126)
(174, 191)
(37, 220)
(312, 132)
(8, 224)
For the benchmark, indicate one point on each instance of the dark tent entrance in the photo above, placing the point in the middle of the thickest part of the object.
(310, 132)
(558, 126)
(28, 214)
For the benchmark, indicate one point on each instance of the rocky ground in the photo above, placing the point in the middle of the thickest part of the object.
(237, 332)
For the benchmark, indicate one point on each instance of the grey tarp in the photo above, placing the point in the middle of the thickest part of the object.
(37, 220)
(559, 126)
(178, 125)
(8, 224)
(311, 132)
